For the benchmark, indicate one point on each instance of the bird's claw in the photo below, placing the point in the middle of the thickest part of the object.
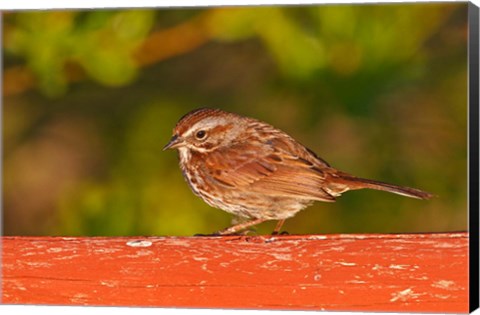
(280, 233)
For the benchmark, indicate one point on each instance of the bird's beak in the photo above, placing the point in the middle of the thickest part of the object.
(174, 143)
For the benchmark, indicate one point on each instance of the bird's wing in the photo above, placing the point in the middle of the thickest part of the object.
(271, 172)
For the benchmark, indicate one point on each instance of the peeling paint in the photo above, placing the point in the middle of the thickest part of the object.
(355, 281)
(442, 296)
(199, 258)
(402, 295)
(406, 295)
(139, 243)
(55, 250)
(445, 284)
(398, 266)
(109, 283)
(317, 237)
(282, 256)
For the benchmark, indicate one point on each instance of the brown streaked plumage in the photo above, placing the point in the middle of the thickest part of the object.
(255, 171)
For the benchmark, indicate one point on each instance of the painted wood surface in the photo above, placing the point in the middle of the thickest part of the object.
(405, 272)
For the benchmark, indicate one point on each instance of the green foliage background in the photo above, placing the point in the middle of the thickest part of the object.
(379, 91)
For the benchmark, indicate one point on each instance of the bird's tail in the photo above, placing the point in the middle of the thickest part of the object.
(360, 183)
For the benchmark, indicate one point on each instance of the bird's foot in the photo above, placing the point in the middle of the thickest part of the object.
(223, 233)
(280, 233)
(206, 235)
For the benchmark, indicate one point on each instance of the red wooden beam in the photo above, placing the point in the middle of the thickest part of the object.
(406, 272)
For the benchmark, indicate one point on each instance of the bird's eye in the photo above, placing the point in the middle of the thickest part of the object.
(200, 134)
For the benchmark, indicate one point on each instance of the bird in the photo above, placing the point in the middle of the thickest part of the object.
(257, 172)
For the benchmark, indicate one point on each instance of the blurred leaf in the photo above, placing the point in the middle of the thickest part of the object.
(297, 53)
(110, 67)
(106, 53)
(40, 38)
(232, 24)
(103, 43)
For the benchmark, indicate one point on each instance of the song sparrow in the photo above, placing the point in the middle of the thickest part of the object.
(257, 172)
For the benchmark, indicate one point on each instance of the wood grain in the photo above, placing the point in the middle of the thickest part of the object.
(406, 272)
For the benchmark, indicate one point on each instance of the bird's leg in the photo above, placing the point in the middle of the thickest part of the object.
(238, 227)
(279, 225)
